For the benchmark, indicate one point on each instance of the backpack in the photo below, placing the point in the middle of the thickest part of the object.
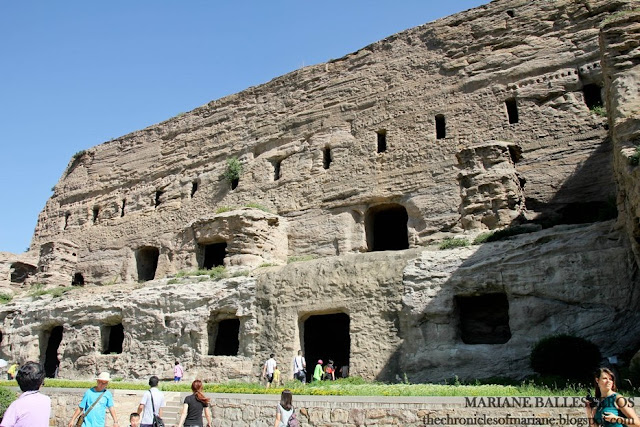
(293, 420)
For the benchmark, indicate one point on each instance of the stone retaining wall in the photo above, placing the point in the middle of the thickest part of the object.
(352, 411)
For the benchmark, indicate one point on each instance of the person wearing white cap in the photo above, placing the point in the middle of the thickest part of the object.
(95, 403)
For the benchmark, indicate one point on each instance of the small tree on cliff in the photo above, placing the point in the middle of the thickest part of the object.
(233, 172)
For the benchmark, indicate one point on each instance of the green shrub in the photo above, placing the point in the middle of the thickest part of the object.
(234, 170)
(566, 356)
(5, 298)
(453, 242)
(6, 397)
(599, 111)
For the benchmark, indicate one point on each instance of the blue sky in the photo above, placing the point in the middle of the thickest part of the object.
(74, 74)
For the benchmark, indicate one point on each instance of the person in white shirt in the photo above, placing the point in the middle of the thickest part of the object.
(268, 368)
(147, 408)
(300, 368)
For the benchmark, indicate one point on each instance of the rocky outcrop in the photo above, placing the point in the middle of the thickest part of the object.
(481, 120)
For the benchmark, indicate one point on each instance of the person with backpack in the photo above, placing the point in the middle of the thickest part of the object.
(152, 403)
(285, 413)
(329, 371)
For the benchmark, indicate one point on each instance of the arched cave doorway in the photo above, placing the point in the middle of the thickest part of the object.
(112, 338)
(386, 228)
(51, 362)
(213, 254)
(326, 336)
(147, 262)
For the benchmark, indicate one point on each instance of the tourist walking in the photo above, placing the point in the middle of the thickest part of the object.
(300, 367)
(151, 404)
(95, 403)
(11, 372)
(329, 371)
(193, 407)
(317, 372)
(285, 414)
(178, 372)
(268, 368)
(31, 408)
(611, 409)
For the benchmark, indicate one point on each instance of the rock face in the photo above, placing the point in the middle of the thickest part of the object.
(479, 121)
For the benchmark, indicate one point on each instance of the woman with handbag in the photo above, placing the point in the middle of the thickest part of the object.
(194, 406)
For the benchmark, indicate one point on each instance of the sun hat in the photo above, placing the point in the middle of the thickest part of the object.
(104, 376)
(320, 361)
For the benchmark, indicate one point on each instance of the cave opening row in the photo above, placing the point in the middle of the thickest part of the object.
(482, 319)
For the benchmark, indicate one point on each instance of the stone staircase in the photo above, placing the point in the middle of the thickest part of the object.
(171, 412)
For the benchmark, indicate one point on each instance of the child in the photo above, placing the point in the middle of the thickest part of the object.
(276, 376)
(134, 420)
(317, 372)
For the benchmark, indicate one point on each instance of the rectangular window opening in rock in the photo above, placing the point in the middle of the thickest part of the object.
(147, 262)
(592, 95)
(386, 227)
(67, 215)
(112, 337)
(52, 338)
(224, 337)
(96, 212)
(382, 140)
(159, 194)
(441, 127)
(212, 254)
(276, 169)
(194, 188)
(326, 157)
(484, 319)
(124, 203)
(326, 337)
(512, 110)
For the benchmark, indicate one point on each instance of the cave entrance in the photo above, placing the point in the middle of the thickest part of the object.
(592, 96)
(213, 255)
(51, 361)
(20, 271)
(224, 337)
(147, 262)
(386, 228)
(484, 319)
(326, 336)
(112, 338)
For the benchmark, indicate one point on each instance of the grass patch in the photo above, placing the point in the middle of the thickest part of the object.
(37, 290)
(257, 206)
(453, 242)
(223, 209)
(215, 273)
(482, 238)
(599, 111)
(356, 386)
(5, 298)
(241, 273)
(299, 258)
(173, 281)
(503, 234)
(634, 159)
(618, 15)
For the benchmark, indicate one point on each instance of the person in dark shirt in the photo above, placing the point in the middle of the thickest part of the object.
(194, 406)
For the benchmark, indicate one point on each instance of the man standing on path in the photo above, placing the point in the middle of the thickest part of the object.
(95, 403)
(299, 367)
(268, 368)
(32, 408)
(151, 404)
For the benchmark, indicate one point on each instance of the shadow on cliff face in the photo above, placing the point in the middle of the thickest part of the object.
(476, 312)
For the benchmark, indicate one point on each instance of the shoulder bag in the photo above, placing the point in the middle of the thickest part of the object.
(157, 421)
(84, 414)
